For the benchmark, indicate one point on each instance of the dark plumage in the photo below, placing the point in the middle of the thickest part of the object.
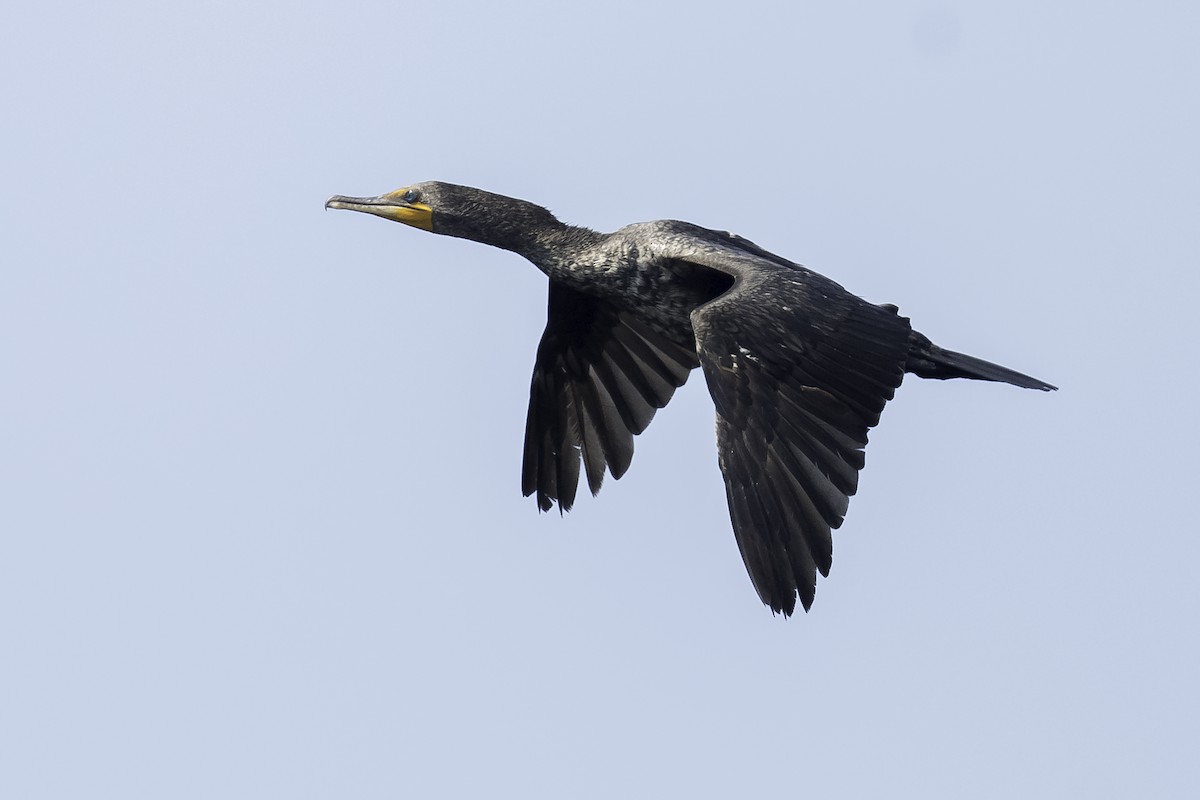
(799, 368)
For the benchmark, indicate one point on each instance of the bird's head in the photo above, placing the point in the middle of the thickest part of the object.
(456, 211)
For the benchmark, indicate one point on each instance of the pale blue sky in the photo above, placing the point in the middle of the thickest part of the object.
(261, 532)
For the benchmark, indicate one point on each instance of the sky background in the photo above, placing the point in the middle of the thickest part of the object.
(261, 530)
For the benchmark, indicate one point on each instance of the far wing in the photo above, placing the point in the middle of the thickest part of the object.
(598, 379)
(799, 370)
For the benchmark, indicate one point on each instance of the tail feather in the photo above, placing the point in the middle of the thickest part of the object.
(927, 360)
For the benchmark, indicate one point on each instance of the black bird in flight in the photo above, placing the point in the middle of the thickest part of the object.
(798, 367)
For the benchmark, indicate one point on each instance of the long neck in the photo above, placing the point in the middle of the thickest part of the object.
(528, 230)
(554, 247)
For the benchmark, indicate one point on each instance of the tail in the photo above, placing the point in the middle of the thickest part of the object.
(927, 360)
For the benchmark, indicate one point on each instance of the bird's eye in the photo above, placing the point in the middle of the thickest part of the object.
(411, 196)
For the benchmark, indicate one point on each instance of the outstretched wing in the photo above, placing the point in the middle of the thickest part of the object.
(599, 377)
(799, 370)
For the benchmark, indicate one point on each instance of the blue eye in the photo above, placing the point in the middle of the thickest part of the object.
(411, 196)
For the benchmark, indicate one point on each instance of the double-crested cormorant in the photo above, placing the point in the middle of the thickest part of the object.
(797, 366)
